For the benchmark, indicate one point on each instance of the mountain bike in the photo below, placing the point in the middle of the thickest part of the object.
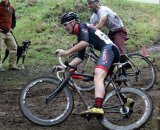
(48, 101)
(141, 74)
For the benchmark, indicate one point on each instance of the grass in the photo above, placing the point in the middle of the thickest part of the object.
(39, 22)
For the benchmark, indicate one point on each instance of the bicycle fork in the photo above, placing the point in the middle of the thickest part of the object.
(58, 89)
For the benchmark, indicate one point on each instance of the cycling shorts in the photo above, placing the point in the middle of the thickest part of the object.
(108, 56)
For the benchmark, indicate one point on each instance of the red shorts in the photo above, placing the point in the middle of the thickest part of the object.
(119, 37)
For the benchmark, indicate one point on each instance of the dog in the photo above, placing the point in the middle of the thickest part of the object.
(21, 52)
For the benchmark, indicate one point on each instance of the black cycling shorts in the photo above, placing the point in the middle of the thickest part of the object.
(108, 56)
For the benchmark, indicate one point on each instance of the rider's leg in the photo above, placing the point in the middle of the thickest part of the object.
(97, 110)
(104, 62)
(100, 74)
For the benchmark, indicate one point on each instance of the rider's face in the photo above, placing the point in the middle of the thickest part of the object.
(92, 6)
(68, 26)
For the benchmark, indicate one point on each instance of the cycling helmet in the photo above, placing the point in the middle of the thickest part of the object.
(67, 17)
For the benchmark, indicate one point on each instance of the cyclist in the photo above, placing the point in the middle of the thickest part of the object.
(109, 54)
(104, 17)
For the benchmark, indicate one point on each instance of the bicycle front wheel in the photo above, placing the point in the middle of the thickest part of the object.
(142, 74)
(32, 102)
(115, 118)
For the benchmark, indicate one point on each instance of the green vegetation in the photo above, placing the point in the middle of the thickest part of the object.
(38, 21)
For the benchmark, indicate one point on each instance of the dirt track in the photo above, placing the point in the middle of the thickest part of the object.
(11, 118)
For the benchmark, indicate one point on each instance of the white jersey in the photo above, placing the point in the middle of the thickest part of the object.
(113, 21)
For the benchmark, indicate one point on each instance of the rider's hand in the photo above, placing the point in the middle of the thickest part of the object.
(57, 68)
(61, 52)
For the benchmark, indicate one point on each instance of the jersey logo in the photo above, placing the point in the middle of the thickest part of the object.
(84, 30)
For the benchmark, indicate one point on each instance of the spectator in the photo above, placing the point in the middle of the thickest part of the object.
(7, 24)
(104, 17)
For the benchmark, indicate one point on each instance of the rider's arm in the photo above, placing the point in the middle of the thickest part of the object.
(101, 22)
(76, 61)
(80, 46)
(102, 15)
(79, 59)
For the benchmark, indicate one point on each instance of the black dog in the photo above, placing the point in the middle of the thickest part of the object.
(21, 52)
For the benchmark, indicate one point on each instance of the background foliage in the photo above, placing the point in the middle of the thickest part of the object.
(38, 21)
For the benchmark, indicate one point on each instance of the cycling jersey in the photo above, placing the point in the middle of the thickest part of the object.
(100, 42)
(95, 37)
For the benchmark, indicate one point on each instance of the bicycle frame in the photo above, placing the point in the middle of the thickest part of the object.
(90, 54)
(81, 77)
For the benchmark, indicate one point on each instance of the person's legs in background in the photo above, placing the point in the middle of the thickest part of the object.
(1, 48)
(119, 39)
(12, 47)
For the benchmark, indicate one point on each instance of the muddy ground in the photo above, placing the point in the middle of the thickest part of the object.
(11, 117)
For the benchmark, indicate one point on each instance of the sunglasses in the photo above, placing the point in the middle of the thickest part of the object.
(66, 23)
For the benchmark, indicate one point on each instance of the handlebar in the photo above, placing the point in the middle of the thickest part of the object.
(66, 65)
(61, 63)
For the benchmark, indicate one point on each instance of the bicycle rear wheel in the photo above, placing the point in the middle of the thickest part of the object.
(115, 118)
(32, 102)
(142, 74)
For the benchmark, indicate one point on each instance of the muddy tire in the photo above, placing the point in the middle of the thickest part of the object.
(32, 102)
(115, 119)
(145, 76)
